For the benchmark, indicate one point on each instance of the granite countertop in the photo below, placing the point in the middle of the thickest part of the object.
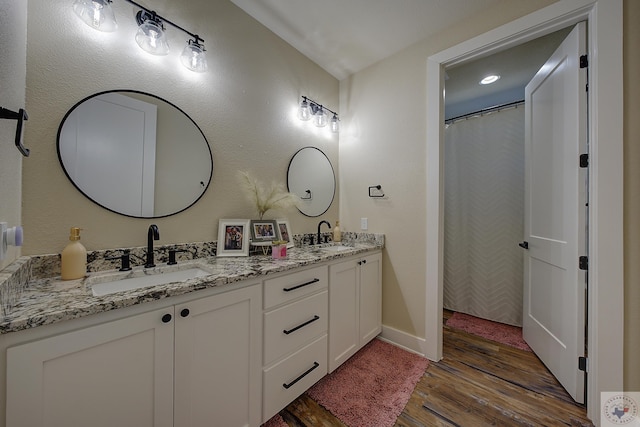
(49, 300)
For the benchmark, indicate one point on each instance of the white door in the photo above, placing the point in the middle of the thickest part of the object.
(555, 221)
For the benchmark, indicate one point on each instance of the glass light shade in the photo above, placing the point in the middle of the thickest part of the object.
(335, 124)
(151, 38)
(194, 58)
(97, 14)
(304, 112)
(320, 118)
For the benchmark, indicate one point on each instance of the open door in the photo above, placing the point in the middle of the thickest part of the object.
(555, 212)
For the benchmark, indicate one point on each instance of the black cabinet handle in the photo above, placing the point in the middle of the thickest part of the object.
(524, 245)
(364, 261)
(184, 312)
(301, 325)
(287, 386)
(166, 318)
(300, 286)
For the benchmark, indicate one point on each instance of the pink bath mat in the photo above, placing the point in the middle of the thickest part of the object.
(371, 388)
(505, 334)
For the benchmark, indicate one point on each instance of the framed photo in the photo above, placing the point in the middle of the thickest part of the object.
(285, 232)
(233, 237)
(264, 230)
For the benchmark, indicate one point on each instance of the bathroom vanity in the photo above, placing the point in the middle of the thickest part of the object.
(232, 347)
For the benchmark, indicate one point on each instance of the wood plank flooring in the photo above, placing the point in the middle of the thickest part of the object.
(477, 383)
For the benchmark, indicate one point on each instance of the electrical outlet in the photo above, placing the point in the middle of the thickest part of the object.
(364, 224)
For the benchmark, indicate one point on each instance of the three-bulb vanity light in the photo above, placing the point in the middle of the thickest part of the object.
(150, 36)
(310, 109)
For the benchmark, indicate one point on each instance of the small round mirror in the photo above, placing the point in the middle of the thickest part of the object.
(311, 177)
(135, 154)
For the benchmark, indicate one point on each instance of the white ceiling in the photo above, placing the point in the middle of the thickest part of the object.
(345, 36)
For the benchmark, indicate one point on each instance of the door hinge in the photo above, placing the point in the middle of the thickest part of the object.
(584, 61)
(584, 160)
(583, 363)
(583, 263)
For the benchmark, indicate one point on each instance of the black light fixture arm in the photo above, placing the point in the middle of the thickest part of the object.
(20, 116)
(315, 105)
(196, 37)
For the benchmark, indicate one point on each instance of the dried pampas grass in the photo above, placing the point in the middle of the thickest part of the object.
(275, 197)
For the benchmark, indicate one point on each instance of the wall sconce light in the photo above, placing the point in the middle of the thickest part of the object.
(311, 109)
(20, 116)
(151, 32)
(97, 14)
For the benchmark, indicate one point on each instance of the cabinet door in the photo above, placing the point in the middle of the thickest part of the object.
(343, 312)
(115, 374)
(218, 360)
(370, 298)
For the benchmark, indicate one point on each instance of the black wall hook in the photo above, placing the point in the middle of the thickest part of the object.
(20, 116)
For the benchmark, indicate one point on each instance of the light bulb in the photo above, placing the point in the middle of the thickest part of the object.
(151, 38)
(193, 57)
(335, 124)
(304, 112)
(320, 118)
(97, 14)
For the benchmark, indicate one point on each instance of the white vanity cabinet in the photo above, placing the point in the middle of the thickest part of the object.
(355, 306)
(195, 363)
(295, 336)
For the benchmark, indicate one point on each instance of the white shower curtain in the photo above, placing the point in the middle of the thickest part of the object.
(484, 216)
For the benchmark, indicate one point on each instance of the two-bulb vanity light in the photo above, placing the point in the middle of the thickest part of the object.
(150, 36)
(310, 109)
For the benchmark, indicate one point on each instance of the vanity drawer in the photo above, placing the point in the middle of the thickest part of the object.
(291, 326)
(291, 377)
(295, 285)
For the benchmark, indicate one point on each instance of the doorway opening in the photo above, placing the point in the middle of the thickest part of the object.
(605, 207)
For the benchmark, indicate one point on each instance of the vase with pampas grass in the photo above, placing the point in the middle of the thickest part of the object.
(273, 197)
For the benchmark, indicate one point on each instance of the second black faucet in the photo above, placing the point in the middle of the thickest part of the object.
(152, 234)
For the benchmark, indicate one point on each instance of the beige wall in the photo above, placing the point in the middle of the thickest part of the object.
(13, 40)
(631, 195)
(383, 142)
(244, 105)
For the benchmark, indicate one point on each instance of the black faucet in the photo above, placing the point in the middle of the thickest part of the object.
(319, 224)
(152, 234)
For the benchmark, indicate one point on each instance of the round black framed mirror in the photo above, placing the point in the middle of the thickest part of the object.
(311, 177)
(135, 154)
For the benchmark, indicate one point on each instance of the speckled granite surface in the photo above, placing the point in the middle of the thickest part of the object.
(32, 293)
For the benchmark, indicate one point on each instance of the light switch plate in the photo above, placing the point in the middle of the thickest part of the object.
(364, 224)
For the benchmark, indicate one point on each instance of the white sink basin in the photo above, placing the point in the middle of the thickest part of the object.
(119, 284)
(336, 248)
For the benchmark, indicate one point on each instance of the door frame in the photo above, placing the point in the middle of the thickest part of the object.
(606, 278)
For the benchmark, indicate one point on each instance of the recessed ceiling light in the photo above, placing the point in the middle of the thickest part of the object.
(490, 79)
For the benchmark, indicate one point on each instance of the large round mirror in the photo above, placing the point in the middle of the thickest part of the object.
(135, 154)
(310, 176)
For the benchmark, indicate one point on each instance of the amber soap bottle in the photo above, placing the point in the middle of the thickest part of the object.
(74, 257)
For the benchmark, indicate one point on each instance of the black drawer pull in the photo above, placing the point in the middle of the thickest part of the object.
(301, 325)
(300, 286)
(292, 383)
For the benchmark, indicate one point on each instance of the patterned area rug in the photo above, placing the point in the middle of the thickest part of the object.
(505, 334)
(371, 388)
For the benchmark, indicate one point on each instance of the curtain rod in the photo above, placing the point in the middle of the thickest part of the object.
(484, 111)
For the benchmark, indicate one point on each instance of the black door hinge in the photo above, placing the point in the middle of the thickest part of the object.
(583, 263)
(582, 363)
(584, 61)
(584, 160)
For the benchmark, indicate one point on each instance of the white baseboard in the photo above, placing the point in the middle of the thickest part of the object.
(403, 340)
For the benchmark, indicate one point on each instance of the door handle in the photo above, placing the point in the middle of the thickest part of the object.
(524, 245)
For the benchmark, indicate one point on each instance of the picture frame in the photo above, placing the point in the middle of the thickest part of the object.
(264, 230)
(285, 233)
(233, 237)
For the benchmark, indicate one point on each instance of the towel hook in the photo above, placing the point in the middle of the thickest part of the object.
(20, 116)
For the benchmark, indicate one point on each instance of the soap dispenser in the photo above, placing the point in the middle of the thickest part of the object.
(337, 234)
(74, 257)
